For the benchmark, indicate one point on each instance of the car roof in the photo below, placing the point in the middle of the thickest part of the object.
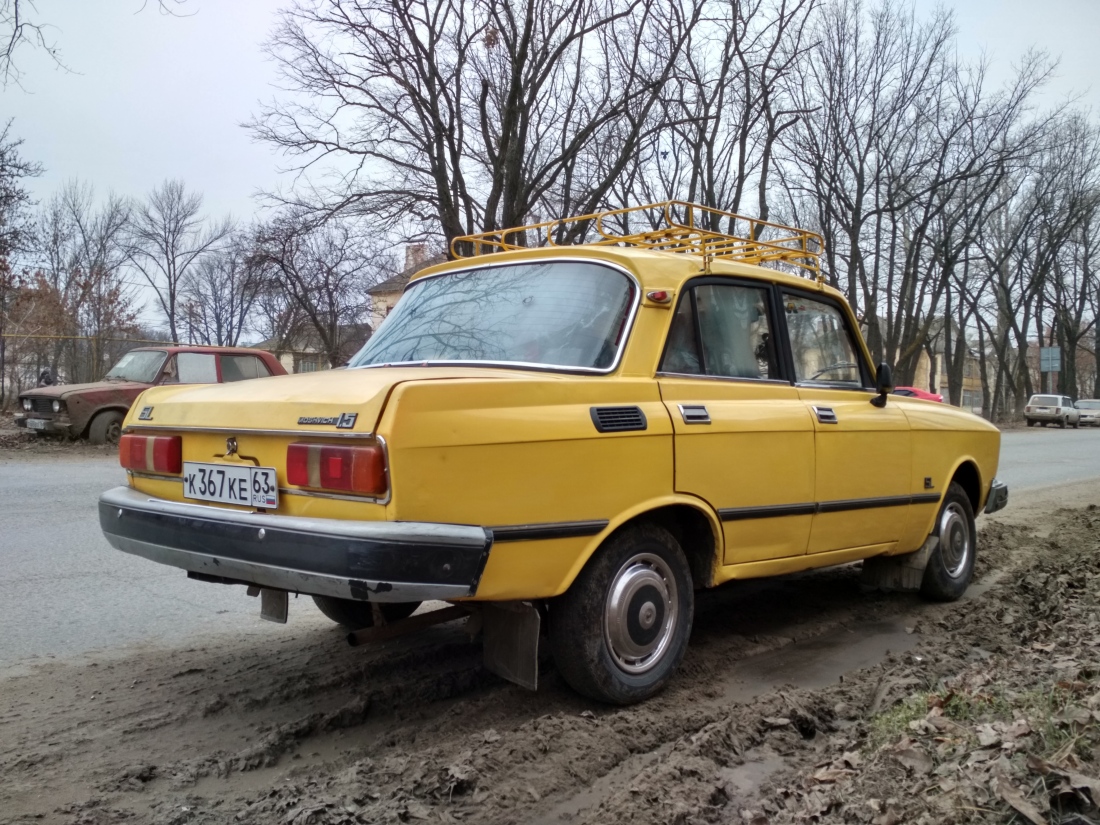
(654, 269)
(173, 349)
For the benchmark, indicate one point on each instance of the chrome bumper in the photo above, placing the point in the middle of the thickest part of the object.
(381, 561)
(998, 497)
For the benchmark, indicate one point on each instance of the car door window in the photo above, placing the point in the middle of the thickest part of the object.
(821, 343)
(197, 368)
(242, 368)
(722, 330)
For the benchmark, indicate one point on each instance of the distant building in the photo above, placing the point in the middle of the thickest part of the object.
(385, 295)
(302, 352)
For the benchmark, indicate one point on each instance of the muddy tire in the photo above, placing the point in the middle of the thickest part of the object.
(1077, 424)
(951, 565)
(355, 615)
(106, 428)
(621, 630)
(1062, 424)
(1031, 422)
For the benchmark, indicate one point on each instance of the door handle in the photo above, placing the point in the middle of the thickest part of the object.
(694, 413)
(826, 415)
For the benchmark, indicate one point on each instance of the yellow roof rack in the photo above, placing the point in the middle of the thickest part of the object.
(671, 226)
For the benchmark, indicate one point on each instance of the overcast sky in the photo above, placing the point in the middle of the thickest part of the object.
(150, 97)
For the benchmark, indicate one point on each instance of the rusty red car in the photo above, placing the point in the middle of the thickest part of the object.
(95, 411)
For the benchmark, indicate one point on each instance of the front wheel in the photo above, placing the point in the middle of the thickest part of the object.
(951, 565)
(620, 631)
(356, 615)
(106, 428)
(1077, 424)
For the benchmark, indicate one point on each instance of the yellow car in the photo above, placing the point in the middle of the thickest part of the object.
(568, 441)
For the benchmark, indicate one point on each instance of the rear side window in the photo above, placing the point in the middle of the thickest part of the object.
(196, 368)
(821, 343)
(722, 330)
(242, 368)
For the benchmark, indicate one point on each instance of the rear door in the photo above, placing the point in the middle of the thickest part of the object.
(744, 440)
(863, 451)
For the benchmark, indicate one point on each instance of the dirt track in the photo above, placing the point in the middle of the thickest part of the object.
(307, 730)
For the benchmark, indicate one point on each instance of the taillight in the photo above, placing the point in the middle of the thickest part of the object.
(151, 453)
(348, 469)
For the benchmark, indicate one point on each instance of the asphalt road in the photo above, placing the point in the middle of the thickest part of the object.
(64, 591)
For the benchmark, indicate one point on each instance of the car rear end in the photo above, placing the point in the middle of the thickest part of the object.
(299, 504)
(1044, 409)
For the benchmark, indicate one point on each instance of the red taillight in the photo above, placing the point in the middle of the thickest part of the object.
(349, 469)
(151, 453)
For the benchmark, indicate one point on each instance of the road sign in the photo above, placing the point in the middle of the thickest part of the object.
(1050, 359)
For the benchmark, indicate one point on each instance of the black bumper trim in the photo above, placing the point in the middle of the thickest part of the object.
(552, 530)
(366, 565)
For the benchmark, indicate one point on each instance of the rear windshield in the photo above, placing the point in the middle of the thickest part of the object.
(558, 314)
(1045, 401)
(138, 365)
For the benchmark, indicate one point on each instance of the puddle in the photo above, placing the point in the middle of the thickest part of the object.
(820, 661)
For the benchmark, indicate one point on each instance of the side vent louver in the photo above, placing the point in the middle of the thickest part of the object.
(826, 415)
(618, 419)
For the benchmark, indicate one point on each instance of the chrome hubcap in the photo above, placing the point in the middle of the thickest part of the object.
(956, 543)
(641, 613)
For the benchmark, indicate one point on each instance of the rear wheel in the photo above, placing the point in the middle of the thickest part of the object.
(106, 428)
(951, 565)
(620, 631)
(1062, 424)
(355, 615)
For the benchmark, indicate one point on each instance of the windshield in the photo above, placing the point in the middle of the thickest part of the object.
(561, 313)
(1045, 400)
(138, 365)
(1088, 405)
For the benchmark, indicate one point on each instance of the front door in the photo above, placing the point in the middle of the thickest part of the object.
(744, 440)
(864, 452)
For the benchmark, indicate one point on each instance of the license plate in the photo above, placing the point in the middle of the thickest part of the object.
(36, 424)
(231, 484)
(1043, 409)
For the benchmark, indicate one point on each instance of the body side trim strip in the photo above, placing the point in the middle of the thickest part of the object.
(552, 530)
(810, 508)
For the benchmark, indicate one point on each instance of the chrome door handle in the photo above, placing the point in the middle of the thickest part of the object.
(826, 415)
(694, 413)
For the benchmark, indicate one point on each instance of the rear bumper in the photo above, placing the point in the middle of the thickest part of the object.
(998, 497)
(377, 561)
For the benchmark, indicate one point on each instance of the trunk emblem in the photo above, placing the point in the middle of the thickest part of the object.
(343, 421)
(146, 414)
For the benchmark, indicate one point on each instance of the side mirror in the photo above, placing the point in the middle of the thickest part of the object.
(884, 384)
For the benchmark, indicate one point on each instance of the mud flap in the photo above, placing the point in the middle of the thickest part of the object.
(890, 574)
(274, 605)
(511, 641)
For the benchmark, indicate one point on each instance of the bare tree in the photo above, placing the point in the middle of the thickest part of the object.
(21, 25)
(220, 293)
(15, 228)
(456, 116)
(324, 272)
(81, 252)
(168, 237)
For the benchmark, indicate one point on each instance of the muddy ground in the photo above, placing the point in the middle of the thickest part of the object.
(800, 700)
